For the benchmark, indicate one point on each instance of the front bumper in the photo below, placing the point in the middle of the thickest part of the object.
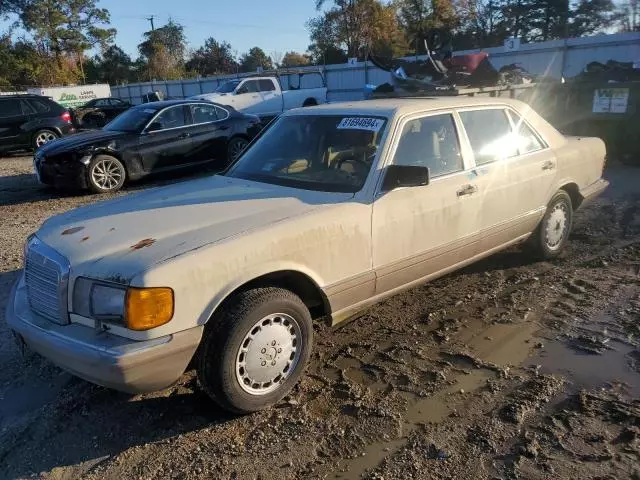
(101, 357)
(60, 172)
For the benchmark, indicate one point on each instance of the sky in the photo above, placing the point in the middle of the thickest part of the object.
(273, 25)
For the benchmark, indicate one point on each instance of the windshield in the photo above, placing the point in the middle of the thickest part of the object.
(132, 120)
(314, 152)
(228, 87)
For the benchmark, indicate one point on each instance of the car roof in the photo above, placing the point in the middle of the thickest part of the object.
(389, 107)
(168, 103)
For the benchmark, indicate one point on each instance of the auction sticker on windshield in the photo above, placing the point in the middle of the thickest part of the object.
(361, 123)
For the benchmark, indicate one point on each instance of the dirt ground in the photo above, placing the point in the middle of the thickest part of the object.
(508, 369)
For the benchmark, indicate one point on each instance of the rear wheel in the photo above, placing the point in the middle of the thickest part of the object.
(236, 147)
(310, 102)
(105, 174)
(43, 136)
(255, 350)
(552, 235)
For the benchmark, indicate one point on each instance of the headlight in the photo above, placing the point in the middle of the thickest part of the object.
(134, 308)
(97, 300)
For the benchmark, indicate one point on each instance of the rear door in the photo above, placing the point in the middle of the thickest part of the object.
(510, 173)
(271, 97)
(12, 118)
(166, 142)
(209, 132)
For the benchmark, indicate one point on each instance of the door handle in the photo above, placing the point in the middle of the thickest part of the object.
(223, 127)
(548, 165)
(467, 190)
(184, 135)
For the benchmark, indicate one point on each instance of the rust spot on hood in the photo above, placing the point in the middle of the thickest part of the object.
(143, 243)
(72, 230)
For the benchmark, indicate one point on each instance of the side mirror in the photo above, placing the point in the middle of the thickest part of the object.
(241, 90)
(154, 127)
(398, 176)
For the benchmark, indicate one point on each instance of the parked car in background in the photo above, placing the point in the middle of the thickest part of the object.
(98, 112)
(264, 95)
(330, 210)
(145, 139)
(30, 121)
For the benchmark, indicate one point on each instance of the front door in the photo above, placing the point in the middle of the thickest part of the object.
(419, 231)
(248, 98)
(11, 120)
(166, 143)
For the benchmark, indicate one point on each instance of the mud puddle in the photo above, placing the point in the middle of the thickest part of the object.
(588, 370)
(478, 354)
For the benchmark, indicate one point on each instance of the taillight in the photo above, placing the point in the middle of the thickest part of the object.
(66, 117)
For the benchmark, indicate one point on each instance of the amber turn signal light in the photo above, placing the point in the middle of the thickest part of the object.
(148, 307)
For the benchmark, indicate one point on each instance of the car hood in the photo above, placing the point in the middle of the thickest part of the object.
(116, 240)
(81, 140)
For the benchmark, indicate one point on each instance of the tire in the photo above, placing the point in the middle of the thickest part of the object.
(310, 102)
(255, 350)
(552, 234)
(235, 147)
(43, 136)
(105, 174)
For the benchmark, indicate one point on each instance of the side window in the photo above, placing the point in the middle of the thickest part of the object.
(490, 135)
(430, 142)
(250, 86)
(38, 105)
(221, 113)
(173, 117)
(528, 140)
(266, 85)
(10, 108)
(102, 103)
(202, 113)
(27, 109)
(116, 102)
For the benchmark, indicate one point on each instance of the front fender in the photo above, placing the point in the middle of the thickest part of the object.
(233, 284)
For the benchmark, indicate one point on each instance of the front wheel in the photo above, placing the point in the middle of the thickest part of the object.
(552, 234)
(255, 350)
(105, 174)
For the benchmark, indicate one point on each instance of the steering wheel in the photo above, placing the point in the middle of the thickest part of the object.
(355, 159)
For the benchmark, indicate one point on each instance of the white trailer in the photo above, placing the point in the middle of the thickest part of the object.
(73, 97)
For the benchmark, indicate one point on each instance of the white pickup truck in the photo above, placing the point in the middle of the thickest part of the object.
(265, 96)
(328, 211)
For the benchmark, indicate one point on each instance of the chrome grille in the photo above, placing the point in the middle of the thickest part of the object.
(46, 276)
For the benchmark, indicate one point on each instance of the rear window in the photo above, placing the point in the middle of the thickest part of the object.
(39, 106)
(490, 135)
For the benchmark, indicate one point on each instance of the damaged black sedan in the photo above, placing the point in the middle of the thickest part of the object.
(145, 139)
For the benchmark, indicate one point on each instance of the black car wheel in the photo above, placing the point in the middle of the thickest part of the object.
(43, 136)
(255, 350)
(236, 147)
(105, 174)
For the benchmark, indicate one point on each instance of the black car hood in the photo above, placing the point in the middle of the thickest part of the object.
(79, 140)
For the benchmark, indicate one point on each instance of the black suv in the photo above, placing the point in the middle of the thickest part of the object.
(30, 121)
